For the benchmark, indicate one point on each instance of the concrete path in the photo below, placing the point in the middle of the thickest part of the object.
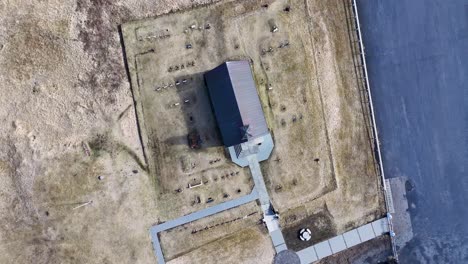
(260, 186)
(259, 192)
(269, 216)
(344, 241)
(154, 230)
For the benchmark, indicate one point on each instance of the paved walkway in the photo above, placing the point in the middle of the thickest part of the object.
(260, 186)
(269, 216)
(154, 230)
(259, 192)
(344, 241)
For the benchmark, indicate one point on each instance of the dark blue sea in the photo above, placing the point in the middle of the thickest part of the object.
(417, 58)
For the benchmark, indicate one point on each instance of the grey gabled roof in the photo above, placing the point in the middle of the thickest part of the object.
(235, 102)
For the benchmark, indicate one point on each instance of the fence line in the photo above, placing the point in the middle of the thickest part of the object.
(374, 125)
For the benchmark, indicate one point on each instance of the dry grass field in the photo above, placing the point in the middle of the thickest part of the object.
(290, 97)
(172, 104)
(65, 90)
(183, 239)
(323, 161)
(71, 137)
(250, 246)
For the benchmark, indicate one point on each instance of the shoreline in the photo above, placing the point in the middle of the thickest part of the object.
(374, 125)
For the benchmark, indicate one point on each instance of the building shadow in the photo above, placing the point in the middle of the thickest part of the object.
(198, 115)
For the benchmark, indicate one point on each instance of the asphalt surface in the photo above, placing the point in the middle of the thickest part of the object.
(417, 59)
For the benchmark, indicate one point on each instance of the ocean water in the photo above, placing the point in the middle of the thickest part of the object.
(417, 58)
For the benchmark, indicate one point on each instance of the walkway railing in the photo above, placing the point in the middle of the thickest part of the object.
(363, 70)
